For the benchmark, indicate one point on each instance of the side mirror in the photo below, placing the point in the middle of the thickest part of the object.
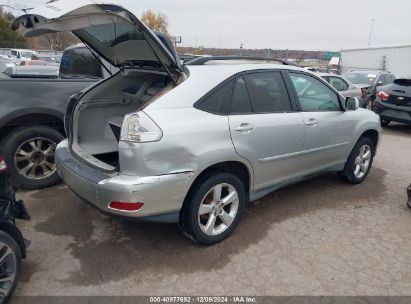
(351, 104)
(379, 83)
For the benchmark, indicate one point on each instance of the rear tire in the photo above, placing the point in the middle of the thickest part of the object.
(213, 208)
(29, 155)
(359, 162)
(10, 265)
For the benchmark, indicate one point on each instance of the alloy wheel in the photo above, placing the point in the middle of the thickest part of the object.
(218, 209)
(362, 161)
(34, 158)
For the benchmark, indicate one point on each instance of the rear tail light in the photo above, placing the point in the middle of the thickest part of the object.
(3, 166)
(383, 95)
(126, 206)
(139, 128)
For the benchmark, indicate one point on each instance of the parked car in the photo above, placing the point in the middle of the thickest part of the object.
(32, 104)
(368, 81)
(393, 102)
(33, 62)
(21, 54)
(12, 244)
(33, 70)
(161, 141)
(45, 58)
(342, 85)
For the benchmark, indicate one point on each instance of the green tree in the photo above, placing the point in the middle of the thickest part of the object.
(156, 22)
(8, 37)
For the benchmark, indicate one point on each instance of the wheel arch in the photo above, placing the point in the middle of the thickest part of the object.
(241, 170)
(373, 135)
(11, 230)
(18, 119)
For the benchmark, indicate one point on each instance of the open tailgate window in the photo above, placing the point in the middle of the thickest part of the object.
(110, 30)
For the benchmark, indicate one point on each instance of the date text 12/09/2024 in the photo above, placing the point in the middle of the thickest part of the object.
(203, 299)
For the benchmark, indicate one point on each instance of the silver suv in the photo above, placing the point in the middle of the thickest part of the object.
(160, 141)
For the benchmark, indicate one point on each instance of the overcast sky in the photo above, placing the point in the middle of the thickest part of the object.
(277, 24)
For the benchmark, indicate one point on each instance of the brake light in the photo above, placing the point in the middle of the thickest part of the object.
(139, 128)
(3, 166)
(383, 95)
(126, 206)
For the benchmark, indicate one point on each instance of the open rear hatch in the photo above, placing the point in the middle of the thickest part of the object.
(147, 69)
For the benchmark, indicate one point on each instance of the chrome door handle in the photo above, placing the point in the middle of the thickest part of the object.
(311, 122)
(245, 127)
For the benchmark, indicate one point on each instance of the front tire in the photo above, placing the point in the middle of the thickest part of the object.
(213, 208)
(10, 265)
(29, 155)
(359, 162)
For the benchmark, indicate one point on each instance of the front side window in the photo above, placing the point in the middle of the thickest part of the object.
(313, 95)
(338, 83)
(267, 92)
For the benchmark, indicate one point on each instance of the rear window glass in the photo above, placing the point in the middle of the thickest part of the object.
(361, 78)
(217, 102)
(79, 62)
(111, 34)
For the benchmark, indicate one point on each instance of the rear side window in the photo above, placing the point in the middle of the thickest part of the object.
(217, 102)
(267, 92)
(240, 102)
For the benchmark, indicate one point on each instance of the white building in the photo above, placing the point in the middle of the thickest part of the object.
(395, 58)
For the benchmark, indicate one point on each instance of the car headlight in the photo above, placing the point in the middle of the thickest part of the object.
(138, 128)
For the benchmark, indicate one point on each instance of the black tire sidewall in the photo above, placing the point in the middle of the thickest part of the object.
(348, 173)
(11, 242)
(13, 140)
(191, 216)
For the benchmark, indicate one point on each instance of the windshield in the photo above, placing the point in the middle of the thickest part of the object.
(361, 78)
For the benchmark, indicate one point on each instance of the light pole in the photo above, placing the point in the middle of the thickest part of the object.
(369, 37)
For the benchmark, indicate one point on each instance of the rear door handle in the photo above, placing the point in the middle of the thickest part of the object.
(245, 127)
(311, 122)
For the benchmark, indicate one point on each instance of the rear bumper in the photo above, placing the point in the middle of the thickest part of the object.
(161, 195)
(392, 112)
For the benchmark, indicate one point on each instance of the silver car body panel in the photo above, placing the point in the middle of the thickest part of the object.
(281, 149)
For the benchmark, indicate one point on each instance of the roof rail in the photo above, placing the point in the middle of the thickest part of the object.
(203, 60)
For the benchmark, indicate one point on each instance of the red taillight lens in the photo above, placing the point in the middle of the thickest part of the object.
(3, 166)
(126, 206)
(383, 95)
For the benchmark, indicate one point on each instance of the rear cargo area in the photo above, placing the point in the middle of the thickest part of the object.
(98, 116)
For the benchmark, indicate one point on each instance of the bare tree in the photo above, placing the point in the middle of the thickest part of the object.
(57, 41)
